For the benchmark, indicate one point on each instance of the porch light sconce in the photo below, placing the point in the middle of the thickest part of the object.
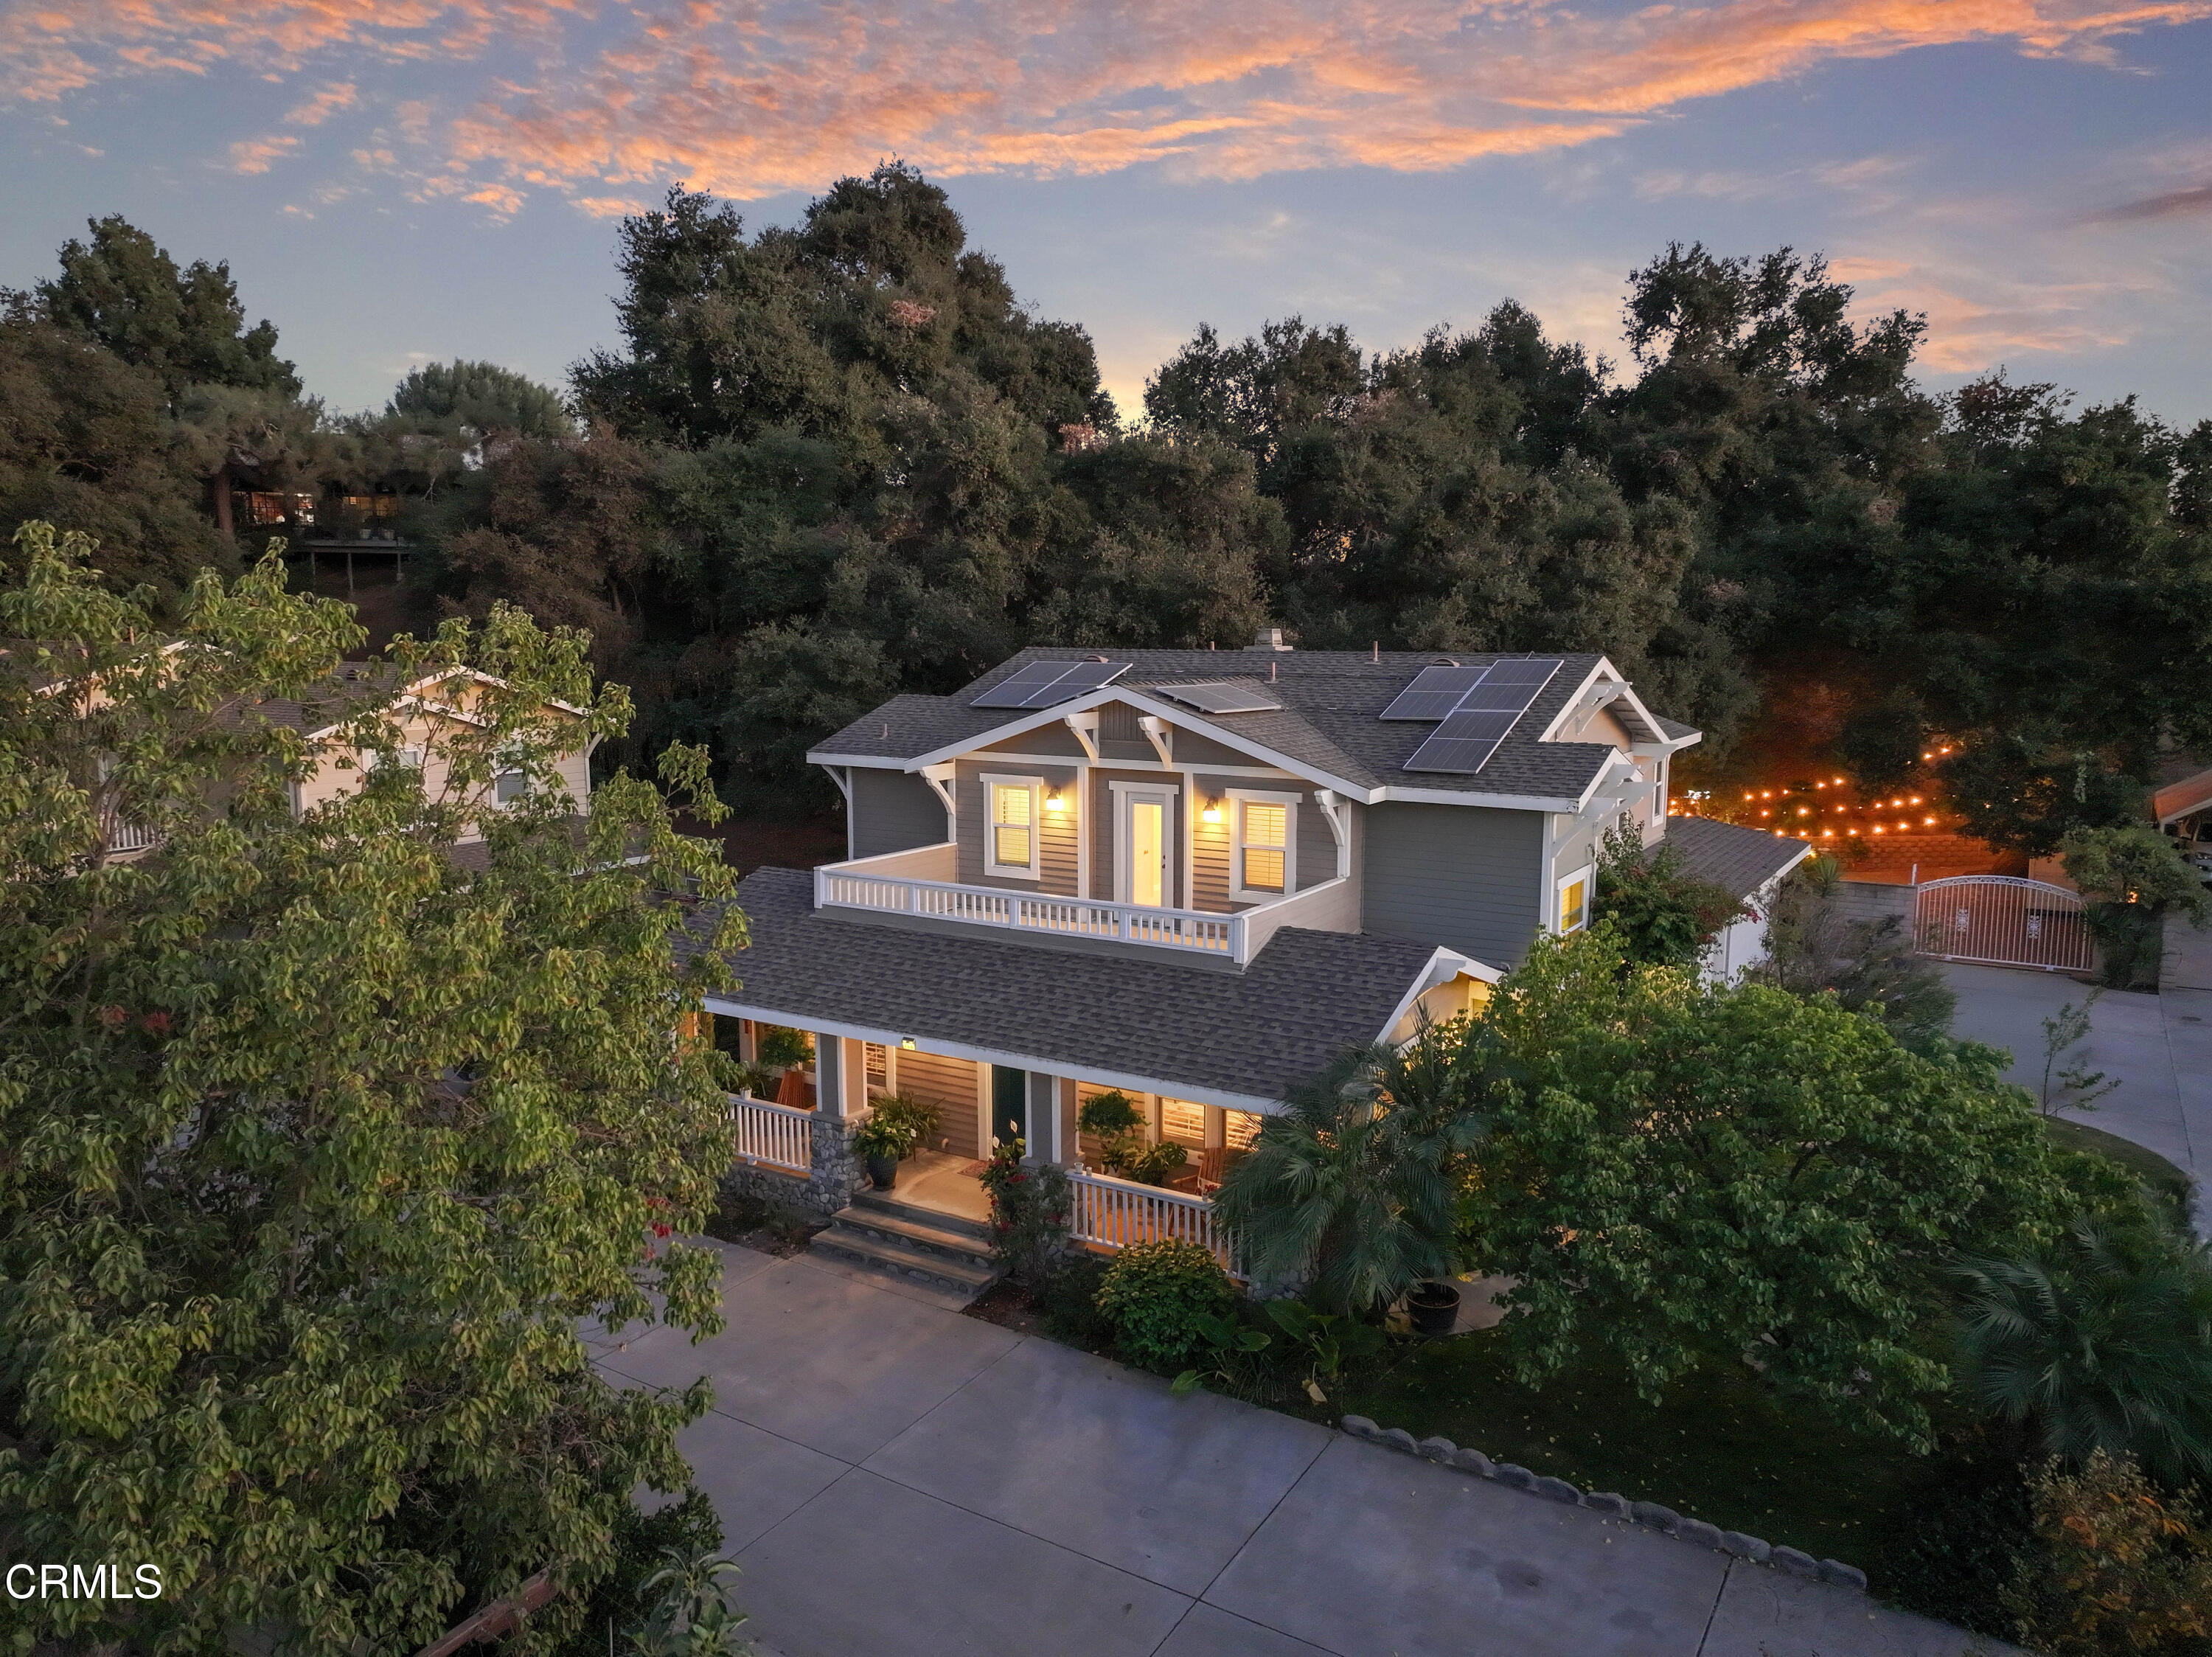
(1052, 802)
(906, 1043)
(1212, 812)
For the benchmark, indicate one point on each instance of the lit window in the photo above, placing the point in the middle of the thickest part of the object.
(1263, 846)
(1573, 908)
(1240, 1129)
(1013, 827)
(1183, 1123)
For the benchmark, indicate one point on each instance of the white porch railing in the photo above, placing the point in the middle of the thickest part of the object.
(1119, 1212)
(1191, 930)
(123, 835)
(773, 1136)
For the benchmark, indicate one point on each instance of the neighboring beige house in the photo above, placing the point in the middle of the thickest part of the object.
(423, 712)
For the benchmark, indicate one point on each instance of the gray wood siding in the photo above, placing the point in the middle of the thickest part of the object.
(949, 1084)
(1055, 741)
(1317, 844)
(1056, 831)
(1195, 748)
(893, 811)
(1467, 877)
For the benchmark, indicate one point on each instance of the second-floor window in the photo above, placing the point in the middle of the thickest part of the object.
(1262, 867)
(1574, 903)
(1010, 825)
(510, 786)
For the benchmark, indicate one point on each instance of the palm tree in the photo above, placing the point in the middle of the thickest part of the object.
(1352, 1191)
(2103, 1341)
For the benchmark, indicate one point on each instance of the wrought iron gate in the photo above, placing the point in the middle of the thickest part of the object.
(2000, 920)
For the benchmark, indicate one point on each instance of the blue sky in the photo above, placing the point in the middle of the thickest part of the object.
(395, 181)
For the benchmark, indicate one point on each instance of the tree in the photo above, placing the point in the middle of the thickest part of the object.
(320, 1142)
(1695, 1173)
(480, 397)
(1352, 1191)
(1665, 916)
(122, 291)
(2101, 1341)
(1813, 948)
(2138, 877)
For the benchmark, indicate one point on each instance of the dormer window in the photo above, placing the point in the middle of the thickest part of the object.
(1010, 825)
(1264, 853)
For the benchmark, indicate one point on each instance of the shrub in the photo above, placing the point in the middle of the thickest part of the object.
(1030, 1205)
(1155, 1294)
(619, 1602)
(2138, 876)
(1068, 1299)
(2116, 1566)
(1665, 916)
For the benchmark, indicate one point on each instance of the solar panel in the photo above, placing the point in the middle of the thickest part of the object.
(1511, 685)
(1025, 681)
(1468, 737)
(1219, 698)
(1434, 693)
(1463, 742)
(1081, 676)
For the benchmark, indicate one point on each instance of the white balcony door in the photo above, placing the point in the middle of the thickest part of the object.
(1144, 849)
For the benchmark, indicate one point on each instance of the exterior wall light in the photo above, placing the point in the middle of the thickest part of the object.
(1212, 812)
(1052, 802)
(906, 1043)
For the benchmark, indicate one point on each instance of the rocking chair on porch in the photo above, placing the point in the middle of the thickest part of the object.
(1212, 1163)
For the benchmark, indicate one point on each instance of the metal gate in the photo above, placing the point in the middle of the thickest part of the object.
(2000, 920)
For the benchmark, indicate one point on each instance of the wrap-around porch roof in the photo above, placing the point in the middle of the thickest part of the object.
(1238, 1039)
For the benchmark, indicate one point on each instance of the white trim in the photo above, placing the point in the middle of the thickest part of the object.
(1588, 875)
(1336, 811)
(1238, 892)
(843, 779)
(1120, 790)
(1032, 870)
(945, 780)
(1443, 966)
(1085, 732)
(1161, 735)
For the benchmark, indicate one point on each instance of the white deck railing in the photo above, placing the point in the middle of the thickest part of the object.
(1190, 930)
(123, 835)
(1116, 1213)
(773, 1136)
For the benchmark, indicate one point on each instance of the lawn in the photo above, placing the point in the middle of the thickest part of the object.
(1721, 1449)
(2164, 1180)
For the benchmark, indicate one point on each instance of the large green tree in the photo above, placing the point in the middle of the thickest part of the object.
(319, 1140)
(1696, 1173)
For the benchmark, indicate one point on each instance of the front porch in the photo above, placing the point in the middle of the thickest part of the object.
(801, 1149)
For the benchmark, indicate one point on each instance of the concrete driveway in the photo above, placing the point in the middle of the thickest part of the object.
(898, 1480)
(2158, 1047)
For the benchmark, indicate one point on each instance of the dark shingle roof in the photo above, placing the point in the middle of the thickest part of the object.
(1740, 859)
(1303, 999)
(1331, 700)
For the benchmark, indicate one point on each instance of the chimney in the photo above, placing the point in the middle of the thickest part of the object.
(1271, 638)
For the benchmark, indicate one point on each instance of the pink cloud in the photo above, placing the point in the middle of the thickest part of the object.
(752, 98)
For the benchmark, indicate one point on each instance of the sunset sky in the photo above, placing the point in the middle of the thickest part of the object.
(394, 181)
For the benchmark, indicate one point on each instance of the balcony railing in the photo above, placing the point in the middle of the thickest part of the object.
(123, 835)
(1115, 1213)
(896, 884)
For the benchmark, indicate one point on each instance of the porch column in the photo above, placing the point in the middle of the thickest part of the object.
(853, 1074)
(1040, 1118)
(748, 1042)
(829, 1075)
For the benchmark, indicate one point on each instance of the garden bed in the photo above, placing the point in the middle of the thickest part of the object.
(773, 1229)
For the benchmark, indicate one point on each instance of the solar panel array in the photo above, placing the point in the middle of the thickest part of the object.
(1434, 693)
(1219, 697)
(1041, 684)
(1482, 717)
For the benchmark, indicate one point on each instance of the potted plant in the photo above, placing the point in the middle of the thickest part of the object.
(912, 1119)
(1432, 1306)
(881, 1144)
(1114, 1120)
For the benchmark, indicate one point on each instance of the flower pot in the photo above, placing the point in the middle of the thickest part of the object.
(1432, 1307)
(883, 1171)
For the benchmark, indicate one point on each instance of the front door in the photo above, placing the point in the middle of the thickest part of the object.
(1147, 874)
(1009, 1090)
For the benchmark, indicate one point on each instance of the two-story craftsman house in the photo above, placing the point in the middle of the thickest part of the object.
(1192, 876)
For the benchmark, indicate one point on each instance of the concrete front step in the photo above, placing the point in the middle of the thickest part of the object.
(870, 1244)
(869, 1200)
(922, 1236)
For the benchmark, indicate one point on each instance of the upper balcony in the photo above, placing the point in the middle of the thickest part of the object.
(921, 883)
